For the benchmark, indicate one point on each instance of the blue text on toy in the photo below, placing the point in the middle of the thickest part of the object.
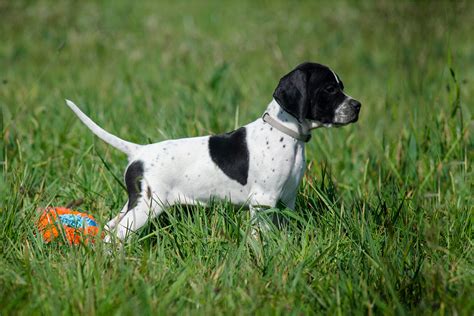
(76, 221)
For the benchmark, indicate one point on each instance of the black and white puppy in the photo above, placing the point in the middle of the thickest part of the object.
(256, 165)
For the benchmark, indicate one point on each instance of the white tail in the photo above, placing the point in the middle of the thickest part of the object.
(122, 145)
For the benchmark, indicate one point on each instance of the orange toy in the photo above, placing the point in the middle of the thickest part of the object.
(78, 227)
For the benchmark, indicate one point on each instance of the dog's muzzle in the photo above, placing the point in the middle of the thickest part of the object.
(347, 112)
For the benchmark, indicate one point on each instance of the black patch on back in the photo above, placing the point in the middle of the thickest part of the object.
(133, 180)
(230, 153)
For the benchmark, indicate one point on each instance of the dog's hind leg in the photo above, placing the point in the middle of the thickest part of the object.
(137, 217)
(114, 221)
(140, 207)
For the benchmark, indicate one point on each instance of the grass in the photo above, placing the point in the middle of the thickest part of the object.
(383, 223)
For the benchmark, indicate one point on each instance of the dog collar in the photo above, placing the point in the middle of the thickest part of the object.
(285, 130)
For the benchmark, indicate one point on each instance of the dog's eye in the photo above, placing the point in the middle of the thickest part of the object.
(331, 89)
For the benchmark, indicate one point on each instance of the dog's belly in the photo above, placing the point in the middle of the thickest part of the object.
(206, 183)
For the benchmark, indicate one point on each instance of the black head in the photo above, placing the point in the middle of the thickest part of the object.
(314, 92)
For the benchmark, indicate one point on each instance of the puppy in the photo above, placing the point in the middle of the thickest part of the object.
(256, 165)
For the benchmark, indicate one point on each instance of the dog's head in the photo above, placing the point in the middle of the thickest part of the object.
(314, 94)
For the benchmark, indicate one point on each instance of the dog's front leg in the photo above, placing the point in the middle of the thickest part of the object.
(259, 203)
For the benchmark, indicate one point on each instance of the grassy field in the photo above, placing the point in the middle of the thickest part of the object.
(384, 217)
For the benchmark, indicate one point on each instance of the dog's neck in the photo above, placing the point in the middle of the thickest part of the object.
(276, 112)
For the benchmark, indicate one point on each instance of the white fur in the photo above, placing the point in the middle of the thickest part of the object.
(120, 144)
(181, 171)
(337, 80)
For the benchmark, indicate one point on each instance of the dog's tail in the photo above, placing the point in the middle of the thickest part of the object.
(122, 145)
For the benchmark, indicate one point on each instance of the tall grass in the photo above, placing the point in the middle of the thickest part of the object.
(383, 223)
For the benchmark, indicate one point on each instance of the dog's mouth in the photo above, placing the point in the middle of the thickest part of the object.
(347, 113)
(346, 118)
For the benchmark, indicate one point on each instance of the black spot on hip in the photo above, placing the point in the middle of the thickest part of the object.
(133, 181)
(230, 153)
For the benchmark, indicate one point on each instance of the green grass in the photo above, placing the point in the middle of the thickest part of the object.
(384, 217)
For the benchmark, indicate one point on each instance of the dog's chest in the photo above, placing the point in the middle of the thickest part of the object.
(276, 160)
(295, 174)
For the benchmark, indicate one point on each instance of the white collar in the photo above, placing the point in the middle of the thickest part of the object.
(285, 122)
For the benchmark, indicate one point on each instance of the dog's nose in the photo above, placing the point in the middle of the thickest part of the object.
(356, 104)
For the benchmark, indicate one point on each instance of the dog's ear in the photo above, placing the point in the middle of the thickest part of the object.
(291, 94)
